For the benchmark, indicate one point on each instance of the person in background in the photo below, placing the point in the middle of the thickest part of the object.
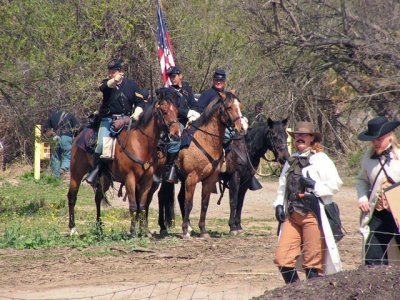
(61, 126)
(186, 113)
(380, 168)
(308, 181)
(121, 97)
(257, 116)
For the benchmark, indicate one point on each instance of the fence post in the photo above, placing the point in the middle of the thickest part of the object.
(36, 164)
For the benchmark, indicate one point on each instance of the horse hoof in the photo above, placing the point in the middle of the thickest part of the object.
(73, 232)
(204, 235)
(186, 236)
(234, 232)
(149, 235)
(190, 229)
(163, 233)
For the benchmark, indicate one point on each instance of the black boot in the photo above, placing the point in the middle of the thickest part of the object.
(93, 176)
(170, 173)
(311, 273)
(254, 184)
(289, 274)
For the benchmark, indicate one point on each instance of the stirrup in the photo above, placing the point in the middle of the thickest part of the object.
(92, 177)
(172, 175)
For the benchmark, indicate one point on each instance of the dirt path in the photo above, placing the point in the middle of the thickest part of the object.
(237, 267)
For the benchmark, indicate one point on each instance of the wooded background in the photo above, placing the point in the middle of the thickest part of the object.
(334, 62)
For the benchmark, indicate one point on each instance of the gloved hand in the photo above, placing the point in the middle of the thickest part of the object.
(192, 115)
(307, 182)
(280, 213)
(308, 197)
(245, 123)
(137, 113)
(56, 137)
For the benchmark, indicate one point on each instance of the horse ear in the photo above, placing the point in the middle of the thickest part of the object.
(270, 122)
(234, 91)
(222, 95)
(284, 122)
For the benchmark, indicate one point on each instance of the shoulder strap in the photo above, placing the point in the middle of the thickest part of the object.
(391, 181)
(376, 177)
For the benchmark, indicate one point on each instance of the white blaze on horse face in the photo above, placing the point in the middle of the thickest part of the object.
(236, 104)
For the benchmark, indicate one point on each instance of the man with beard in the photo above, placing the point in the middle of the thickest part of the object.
(308, 181)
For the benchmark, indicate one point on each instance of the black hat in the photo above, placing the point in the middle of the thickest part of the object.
(115, 65)
(174, 70)
(377, 127)
(259, 104)
(219, 74)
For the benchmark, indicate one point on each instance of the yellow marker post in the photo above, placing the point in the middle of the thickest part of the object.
(36, 164)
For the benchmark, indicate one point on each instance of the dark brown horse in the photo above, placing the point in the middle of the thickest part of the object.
(243, 160)
(201, 161)
(135, 160)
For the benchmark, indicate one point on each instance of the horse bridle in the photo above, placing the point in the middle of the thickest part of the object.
(228, 99)
(165, 125)
(273, 146)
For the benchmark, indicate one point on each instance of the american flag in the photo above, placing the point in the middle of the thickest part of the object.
(164, 46)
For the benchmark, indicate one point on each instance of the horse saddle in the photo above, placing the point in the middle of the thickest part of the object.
(87, 140)
(187, 136)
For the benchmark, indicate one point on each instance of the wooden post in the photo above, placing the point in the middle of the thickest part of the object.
(36, 164)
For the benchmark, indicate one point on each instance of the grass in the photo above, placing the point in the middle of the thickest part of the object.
(34, 214)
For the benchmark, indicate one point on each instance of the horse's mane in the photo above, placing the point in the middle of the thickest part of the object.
(207, 114)
(168, 94)
(255, 137)
(147, 114)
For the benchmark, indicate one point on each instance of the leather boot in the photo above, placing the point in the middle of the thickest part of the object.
(254, 184)
(311, 273)
(289, 274)
(93, 176)
(170, 172)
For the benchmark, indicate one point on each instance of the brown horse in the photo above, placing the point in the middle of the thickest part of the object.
(201, 161)
(135, 160)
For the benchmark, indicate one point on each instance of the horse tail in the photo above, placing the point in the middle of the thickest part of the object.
(167, 201)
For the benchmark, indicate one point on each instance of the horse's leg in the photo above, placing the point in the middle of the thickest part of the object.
(142, 192)
(181, 201)
(130, 184)
(100, 195)
(190, 186)
(234, 183)
(79, 167)
(239, 207)
(207, 188)
(166, 207)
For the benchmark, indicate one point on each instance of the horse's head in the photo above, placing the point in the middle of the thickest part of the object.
(277, 137)
(167, 111)
(231, 116)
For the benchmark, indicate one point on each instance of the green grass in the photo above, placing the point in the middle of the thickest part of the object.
(34, 214)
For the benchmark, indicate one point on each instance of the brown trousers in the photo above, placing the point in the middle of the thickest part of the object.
(300, 235)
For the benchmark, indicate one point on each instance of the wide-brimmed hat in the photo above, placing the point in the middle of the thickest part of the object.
(306, 127)
(377, 127)
(219, 75)
(174, 70)
(115, 65)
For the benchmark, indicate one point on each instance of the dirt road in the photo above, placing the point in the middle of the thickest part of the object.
(238, 267)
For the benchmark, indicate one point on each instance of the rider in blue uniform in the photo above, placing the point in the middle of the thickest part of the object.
(121, 97)
(218, 85)
(186, 102)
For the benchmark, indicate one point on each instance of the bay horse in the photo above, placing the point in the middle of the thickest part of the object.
(201, 161)
(243, 159)
(135, 160)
